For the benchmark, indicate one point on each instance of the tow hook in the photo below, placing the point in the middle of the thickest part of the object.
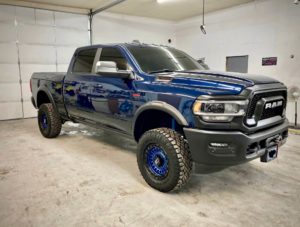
(279, 140)
(274, 140)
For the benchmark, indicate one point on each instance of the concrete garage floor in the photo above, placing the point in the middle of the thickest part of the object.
(90, 178)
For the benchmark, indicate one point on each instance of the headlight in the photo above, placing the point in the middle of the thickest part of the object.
(219, 111)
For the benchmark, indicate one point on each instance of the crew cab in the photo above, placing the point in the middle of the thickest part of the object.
(178, 112)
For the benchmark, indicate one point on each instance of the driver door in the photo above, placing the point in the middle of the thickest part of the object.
(111, 96)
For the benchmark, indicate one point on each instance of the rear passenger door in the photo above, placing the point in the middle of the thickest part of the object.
(78, 83)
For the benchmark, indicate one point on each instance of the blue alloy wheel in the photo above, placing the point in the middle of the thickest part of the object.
(164, 159)
(44, 121)
(157, 161)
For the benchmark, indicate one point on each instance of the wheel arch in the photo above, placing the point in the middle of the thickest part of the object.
(44, 96)
(158, 106)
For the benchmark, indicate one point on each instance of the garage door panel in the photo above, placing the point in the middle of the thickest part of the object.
(7, 13)
(37, 54)
(62, 67)
(71, 37)
(28, 69)
(25, 15)
(71, 20)
(8, 32)
(26, 93)
(10, 92)
(44, 17)
(29, 110)
(42, 34)
(8, 53)
(11, 110)
(64, 54)
(9, 73)
(46, 43)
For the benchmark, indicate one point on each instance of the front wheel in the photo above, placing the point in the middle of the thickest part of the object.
(49, 121)
(164, 159)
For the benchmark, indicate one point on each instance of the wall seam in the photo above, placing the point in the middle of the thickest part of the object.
(55, 40)
(19, 62)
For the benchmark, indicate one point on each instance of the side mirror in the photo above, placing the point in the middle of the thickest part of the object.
(109, 68)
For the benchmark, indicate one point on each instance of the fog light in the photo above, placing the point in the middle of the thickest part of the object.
(219, 145)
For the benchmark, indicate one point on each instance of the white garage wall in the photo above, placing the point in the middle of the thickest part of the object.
(118, 28)
(40, 41)
(264, 28)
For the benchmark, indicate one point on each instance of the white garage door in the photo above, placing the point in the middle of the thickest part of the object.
(34, 40)
(10, 92)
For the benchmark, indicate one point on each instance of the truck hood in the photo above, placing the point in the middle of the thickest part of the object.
(219, 82)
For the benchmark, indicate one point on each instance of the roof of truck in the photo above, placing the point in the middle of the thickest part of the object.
(135, 43)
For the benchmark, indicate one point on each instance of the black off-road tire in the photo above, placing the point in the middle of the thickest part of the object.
(54, 122)
(179, 159)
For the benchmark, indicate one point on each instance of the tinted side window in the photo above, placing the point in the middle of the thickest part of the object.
(84, 61)
(115, 55)
(156, 58)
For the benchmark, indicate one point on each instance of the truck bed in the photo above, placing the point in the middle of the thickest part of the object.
(51, 85)
(50, 76)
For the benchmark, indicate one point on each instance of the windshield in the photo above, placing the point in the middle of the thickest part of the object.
(154, 59)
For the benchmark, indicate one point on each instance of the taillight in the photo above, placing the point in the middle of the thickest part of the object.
(30, 86)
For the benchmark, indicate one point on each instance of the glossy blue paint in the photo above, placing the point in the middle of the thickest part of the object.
(126, 107)
(114, 101)
(157, 161)
(111, 101)
(206, 85)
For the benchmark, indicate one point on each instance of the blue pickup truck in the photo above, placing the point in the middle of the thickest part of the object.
(178, 112)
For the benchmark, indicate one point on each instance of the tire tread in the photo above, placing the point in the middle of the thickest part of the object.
(178, 143)
(55, 123)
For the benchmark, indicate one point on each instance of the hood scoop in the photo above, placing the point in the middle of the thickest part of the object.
(233, 77)
(164, 78)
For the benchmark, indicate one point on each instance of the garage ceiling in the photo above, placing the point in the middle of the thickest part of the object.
(170, 10)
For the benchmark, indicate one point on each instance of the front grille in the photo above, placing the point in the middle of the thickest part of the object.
(267, 113)
(272, 112)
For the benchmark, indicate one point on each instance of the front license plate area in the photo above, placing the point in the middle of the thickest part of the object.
(271, 154)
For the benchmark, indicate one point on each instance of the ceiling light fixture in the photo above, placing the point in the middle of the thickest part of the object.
(163, 1)
(202, 27)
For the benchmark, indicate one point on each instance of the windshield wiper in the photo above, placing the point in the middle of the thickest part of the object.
(162, 71)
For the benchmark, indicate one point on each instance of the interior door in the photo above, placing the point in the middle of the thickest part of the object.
(112, 96)
(77, 85)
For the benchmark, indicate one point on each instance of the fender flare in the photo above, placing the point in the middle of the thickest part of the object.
(45, 89)
(162, 106)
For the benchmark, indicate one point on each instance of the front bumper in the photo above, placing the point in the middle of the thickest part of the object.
(240, 147)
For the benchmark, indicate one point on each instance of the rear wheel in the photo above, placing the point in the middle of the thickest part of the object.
(49, 121)
(164, 159)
